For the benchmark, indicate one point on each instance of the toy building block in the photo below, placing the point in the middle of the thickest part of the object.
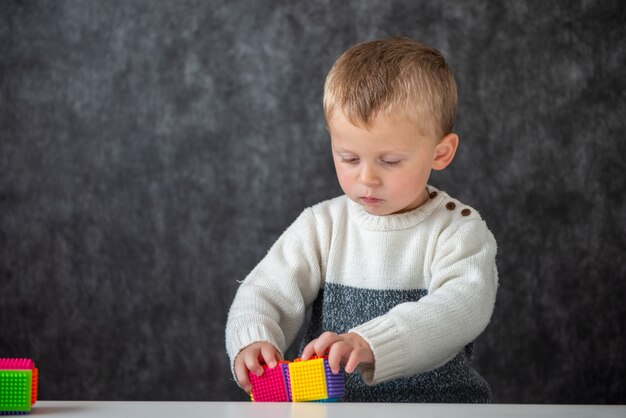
(312, 380)
(335, 384)
(19, 384)
(272, 385)
(298, 381)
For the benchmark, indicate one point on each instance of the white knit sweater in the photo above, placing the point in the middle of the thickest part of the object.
(443, 248)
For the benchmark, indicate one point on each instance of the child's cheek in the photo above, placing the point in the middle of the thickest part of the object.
(344, 180)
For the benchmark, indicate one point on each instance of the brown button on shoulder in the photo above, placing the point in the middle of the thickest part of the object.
(450, 206)
(466, 212)
(433, 195)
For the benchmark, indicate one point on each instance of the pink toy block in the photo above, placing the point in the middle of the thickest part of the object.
(271, 386)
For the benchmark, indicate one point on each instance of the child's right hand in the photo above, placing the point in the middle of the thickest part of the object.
(249, 358)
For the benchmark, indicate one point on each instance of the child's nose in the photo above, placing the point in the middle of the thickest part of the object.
(368, 176)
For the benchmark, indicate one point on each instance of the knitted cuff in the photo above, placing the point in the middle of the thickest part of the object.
(246, 334)
(390, 358)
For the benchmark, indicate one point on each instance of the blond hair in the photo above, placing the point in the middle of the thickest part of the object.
(389, 77)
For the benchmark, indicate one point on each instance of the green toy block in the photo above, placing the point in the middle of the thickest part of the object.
(15, 391)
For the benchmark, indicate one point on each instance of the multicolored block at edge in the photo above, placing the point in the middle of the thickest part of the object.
(15, 390)
(19, 381)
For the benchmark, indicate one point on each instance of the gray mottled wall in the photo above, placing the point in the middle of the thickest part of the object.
(152, 151)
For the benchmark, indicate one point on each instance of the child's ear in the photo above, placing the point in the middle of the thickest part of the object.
(444, 151)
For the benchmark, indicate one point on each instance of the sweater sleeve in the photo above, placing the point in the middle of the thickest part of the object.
(415, 337)
(270, 303)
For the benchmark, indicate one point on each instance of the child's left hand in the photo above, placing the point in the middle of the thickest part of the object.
(350, 349)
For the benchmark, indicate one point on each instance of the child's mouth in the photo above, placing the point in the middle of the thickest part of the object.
(370, 200)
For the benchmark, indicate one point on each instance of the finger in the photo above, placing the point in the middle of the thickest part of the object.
(336, 354)
(353, 361)
(309, 350)
(241, 373)
(252, 363)
(270, 355)
(324, 342)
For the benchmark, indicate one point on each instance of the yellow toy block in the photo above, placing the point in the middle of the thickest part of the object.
(308, 380)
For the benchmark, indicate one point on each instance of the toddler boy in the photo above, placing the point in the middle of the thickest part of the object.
(399, 276)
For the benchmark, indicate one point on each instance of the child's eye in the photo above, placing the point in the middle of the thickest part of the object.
(349, 160)
(391, 163)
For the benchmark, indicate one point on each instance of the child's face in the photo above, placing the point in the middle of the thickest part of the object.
(384, 168)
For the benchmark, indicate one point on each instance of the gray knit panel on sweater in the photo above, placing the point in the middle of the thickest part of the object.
(339, 308)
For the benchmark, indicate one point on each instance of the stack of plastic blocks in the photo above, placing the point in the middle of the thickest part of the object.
(298, 381)
(19, 380)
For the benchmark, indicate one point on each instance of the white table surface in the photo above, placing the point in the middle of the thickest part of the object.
(315, 410)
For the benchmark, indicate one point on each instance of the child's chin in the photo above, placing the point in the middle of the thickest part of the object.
(377, 210)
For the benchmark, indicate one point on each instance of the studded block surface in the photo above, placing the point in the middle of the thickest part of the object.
(335, 383)
(308, 380)
(298, 381)
(15, 391)
(270, 386)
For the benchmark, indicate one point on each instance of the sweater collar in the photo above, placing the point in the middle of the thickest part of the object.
(397, 221)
